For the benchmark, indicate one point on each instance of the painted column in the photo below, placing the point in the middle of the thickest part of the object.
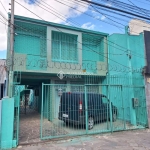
(131, 92)
(7, 125)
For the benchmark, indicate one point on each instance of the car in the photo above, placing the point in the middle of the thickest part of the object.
(72, 108)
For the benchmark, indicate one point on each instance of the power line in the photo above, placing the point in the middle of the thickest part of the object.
(115, 9)
(113, 43)
(89, 15)
(120, 46)
(119, 49)
(126, 6)
(3, 6)
(142, 2)
(51, 40)
(59, 13)
(106, 57)
(102, 13)
(138, 8)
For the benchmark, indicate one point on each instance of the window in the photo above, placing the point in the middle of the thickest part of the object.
(64, 47)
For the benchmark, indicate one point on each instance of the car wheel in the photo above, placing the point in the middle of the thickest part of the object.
(114, 117)
(90, 123)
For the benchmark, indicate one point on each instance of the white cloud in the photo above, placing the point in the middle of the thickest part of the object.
(103, 18)
(63, 10)
(88, 25)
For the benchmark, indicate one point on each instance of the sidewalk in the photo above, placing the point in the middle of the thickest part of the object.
(125, 140)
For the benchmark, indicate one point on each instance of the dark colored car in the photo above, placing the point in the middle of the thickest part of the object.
(72, 108)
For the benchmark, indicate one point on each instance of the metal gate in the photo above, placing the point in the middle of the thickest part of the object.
(90, 109)
(16, 115)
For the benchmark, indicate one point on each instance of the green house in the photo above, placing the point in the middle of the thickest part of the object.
(51, 58)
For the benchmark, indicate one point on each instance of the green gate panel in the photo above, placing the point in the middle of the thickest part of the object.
(7, 123)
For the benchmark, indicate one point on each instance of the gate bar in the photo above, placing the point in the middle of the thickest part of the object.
(41, 127)
(86, 110)
(137, 86)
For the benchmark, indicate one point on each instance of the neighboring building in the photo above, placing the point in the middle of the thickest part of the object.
(138, 26)
(2, 78)
(128, 50)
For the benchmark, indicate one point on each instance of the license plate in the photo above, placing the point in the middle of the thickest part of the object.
(65, 115)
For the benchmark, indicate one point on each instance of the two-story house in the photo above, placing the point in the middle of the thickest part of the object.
(64, 56)
(51, 58)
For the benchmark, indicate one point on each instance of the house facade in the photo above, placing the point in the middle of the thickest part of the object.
(50, 59)
(55, 47)
(137, 27)
(53, 53)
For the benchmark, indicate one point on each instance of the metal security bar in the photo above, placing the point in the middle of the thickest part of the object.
(16, 115)
(70, 110)
(28, 102)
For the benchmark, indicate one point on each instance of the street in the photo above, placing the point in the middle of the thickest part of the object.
(125, 140)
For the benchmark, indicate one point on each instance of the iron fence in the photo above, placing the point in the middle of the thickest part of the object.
(69, 110)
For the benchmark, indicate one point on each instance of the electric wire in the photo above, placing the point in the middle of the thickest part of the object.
(125, 51)
(3, 6)
(121, 46)
(138, 8)
(119, 49)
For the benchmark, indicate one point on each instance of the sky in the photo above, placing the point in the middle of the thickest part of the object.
(92, 21)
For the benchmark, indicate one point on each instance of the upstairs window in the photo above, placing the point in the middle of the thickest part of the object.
(64, 47)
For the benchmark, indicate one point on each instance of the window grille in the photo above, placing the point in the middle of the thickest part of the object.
(64, 47)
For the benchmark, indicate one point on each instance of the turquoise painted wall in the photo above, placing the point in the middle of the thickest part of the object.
(119, 46)
(7, 124)
(92, 51)
(31, 40)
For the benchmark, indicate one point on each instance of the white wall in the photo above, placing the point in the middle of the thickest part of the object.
(138, 26)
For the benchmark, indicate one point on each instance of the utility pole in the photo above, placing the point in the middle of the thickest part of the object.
(12, 32)
(10, 85)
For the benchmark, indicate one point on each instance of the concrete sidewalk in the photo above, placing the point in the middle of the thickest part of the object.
(125, 140)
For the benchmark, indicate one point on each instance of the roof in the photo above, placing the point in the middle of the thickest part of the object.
(2, 70)
(42, 22)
